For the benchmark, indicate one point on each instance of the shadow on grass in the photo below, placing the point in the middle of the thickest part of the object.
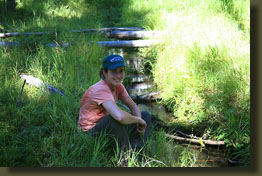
(42, 16)
(96, 14)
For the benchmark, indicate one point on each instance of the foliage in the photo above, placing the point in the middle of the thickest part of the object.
(202, 67)
(188, 159)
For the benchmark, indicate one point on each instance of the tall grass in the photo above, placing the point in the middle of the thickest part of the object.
(203, 67)
(46, 124)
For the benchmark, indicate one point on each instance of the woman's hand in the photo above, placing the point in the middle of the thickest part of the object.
(141, 127)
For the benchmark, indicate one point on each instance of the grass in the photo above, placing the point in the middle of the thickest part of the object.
(202, 67)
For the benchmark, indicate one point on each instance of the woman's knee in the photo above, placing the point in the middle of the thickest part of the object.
(117, 125)
(146, 116)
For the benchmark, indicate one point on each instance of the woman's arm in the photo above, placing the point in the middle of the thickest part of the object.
(122, 116)
(132, 106)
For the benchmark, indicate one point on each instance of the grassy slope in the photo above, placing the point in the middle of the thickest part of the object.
(203, 68)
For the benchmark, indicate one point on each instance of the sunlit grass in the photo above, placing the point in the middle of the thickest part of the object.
(203, 65)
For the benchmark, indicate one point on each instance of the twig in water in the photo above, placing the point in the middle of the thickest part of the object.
(153, 161)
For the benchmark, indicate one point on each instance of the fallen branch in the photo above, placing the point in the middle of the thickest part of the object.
(195, 141)
(189, 138)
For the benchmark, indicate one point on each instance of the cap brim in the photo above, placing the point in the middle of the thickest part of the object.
(112, 67)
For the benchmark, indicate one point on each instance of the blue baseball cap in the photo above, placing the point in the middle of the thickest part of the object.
(113, 61)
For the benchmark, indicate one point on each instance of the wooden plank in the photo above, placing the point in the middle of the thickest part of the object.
(16, 34)
(6, 43)
(133, 34)
(10, 44)
(110, 29)
(128, 43)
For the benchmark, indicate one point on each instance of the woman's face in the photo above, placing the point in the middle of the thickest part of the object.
(114, 77)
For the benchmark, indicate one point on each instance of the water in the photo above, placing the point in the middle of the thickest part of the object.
(156, 110)
(205, 157)
(140, 88)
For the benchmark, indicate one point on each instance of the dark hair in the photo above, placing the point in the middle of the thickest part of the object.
(101, 72)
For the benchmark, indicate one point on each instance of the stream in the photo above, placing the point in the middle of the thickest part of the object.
(208, 157)
(144, 93)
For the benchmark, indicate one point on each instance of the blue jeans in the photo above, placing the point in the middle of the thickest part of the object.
(124, 133)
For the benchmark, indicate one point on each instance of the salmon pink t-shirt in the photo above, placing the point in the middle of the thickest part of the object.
(91, 109)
